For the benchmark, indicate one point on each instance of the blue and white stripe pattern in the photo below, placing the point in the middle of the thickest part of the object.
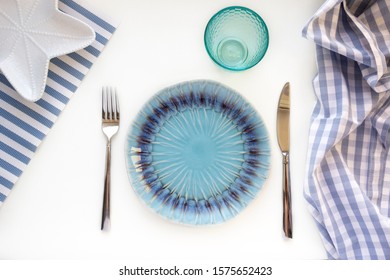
(23, 125)
(348, 182)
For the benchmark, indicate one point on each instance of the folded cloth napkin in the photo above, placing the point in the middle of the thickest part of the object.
(348, 170)
(23, 124)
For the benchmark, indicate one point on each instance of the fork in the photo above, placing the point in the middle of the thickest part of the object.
(110, 126)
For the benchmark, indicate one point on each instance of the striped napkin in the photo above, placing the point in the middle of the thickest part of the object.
(348, 182)
(24, 125)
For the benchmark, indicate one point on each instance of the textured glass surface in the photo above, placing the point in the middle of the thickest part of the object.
(197, 153)
(236, 38)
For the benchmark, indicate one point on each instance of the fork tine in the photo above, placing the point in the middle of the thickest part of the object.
(117, 107)
(104, 103)
(113, 102)
(109, 103)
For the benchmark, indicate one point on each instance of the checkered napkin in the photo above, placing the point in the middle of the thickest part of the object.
(348, 173)
(24, 125)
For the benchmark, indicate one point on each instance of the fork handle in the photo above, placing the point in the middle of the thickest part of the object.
(107, 190)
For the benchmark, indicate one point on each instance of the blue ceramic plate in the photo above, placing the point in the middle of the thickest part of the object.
(197, 153)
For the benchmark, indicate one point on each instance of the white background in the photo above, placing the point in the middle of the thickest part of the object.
(54, 210)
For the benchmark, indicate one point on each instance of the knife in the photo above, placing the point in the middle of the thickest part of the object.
(283, 132)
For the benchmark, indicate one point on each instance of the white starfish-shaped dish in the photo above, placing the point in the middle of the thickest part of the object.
(31, 33)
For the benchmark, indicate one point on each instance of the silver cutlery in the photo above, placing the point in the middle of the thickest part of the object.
(110, 126)
(283, 131)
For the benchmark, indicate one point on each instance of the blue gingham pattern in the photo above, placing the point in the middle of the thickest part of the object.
(23, 124)
(348, 182)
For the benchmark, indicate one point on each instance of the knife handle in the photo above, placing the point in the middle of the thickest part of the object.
(287, 216)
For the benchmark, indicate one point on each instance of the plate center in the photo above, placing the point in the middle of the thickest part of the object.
(200, 152)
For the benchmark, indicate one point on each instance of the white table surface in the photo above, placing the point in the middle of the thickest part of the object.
(54, 209)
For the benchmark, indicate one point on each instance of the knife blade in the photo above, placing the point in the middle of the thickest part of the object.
(283, 134)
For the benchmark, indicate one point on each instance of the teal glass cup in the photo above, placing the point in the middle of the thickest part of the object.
(236, 38)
